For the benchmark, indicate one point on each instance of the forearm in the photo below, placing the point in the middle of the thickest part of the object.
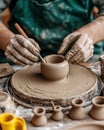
(95, 29)
(5, 36)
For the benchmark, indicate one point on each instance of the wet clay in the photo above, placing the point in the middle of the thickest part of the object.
(5, 70)
(77, 111)
(39, 118)
(98, 108)
(57, 114)
(101, 59)
(55, 67)
(87, 126)
(29, 84)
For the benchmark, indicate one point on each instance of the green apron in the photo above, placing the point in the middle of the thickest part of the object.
(49, 21)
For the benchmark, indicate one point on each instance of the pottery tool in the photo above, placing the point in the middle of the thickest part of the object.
(52, 103)
(20, 30)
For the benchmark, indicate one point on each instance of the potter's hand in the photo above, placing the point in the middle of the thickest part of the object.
(81, 47)
(22, 51)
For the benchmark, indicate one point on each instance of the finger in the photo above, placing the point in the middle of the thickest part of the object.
(87, 50)
(34, 43)
(13, 59)
(84, 54)
(27, 44)
(23, 51)
(17, 56)
(89, 54)
(76, 47)
(67, 42)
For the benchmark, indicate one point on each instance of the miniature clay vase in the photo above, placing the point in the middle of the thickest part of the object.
(55, 67)
(57, 114)
(39, 118)
(6, 103)
(77, 111)
(10, 122)
(97, 110)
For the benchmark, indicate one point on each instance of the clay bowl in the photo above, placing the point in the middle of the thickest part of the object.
(6, 103)
(87, 126)
(55, 67)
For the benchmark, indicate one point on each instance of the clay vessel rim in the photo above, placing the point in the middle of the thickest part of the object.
(54, 59)
(39, 111)
(57, 108)
(85, 124)
(6, 97)
(77, 102)
(98, 99)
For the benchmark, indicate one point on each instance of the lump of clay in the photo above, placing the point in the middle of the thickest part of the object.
(5, 70)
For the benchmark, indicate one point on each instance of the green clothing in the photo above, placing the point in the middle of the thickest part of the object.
(49, 21)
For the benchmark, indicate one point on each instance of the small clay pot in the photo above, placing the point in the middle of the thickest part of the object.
(97, 110)
(77, 111)
(57, 114)
(6, 103)
(56, 67)
(39, 118)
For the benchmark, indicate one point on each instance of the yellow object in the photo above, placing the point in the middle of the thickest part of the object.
(10, 122)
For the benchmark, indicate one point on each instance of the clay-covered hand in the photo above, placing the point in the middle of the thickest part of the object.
(77, 47)
(22, 51)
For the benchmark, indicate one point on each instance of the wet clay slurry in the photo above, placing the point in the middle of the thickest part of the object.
(29, 83)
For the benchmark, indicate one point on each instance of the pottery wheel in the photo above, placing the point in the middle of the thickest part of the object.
(29, 85)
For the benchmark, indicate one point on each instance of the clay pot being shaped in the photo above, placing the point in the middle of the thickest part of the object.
(6, 103)
(57, 114)
(55, 67)
(97, 110)
(77, 111)
(39, 118)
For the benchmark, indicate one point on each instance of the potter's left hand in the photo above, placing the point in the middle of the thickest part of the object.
(81, 47)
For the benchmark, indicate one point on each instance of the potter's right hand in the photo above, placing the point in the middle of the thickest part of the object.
(22, 51)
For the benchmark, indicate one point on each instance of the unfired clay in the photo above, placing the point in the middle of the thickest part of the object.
(5, 70)
(28, 84)
(87, 126)
(39, 118)
(77, 111)
(57, 114)
(6, 103)
(55, 67)
(101, 59)
(97, 111)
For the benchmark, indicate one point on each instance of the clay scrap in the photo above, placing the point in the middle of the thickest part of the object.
(5, 70)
